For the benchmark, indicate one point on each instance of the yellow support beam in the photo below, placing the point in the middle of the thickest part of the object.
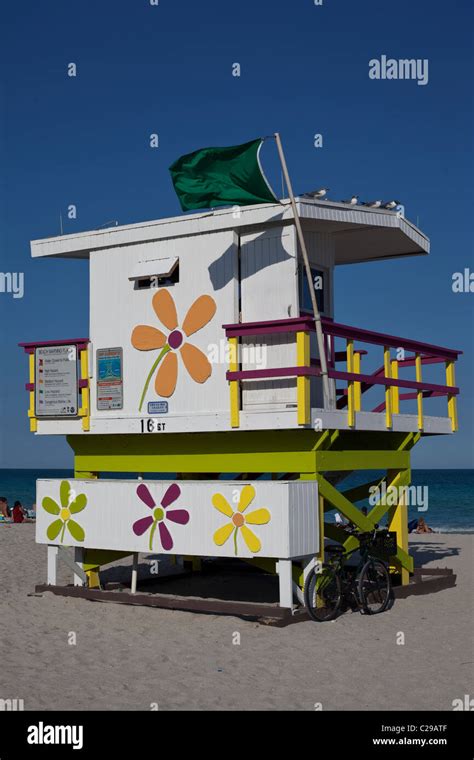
(93, 579)
(395, 389)
(321, 528)
(303, 383)
(388, 392)
(234, 385)
(397, 515)
(194, 563)
(357, 385)
(350, 385)
(84, 411)
(452, 401)
(31, 410)
(398, 522)
(94, 559)
(419, 395)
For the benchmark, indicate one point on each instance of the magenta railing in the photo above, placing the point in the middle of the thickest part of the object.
(358, 382)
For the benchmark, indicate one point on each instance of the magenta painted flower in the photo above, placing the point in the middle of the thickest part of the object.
(160, 514)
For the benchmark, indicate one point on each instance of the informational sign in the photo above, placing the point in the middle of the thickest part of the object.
(157, 407)
(56, 381)
(109, 378)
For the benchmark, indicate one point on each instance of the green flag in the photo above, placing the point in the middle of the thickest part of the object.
(221, 177)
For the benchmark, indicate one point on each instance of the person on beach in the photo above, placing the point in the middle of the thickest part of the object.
(18, 513)
(422, 527)
(4, 511)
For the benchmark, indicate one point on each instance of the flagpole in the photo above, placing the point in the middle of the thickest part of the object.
(317, 315)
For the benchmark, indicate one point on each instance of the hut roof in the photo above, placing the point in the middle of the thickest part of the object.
(361, 234)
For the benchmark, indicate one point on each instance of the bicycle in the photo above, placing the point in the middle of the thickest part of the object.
(369, 586)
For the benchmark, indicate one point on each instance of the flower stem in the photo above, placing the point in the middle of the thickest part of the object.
(61, 538)
(235, 540)
(152, 533)
(163, 351)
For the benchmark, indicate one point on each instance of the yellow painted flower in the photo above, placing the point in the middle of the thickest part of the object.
(70, 504)
(239, 521)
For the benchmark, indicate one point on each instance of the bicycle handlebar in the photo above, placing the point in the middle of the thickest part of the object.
(355, 531)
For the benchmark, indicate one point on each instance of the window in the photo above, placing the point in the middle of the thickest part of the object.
(157, 281)
(156, 273)
(320, 286)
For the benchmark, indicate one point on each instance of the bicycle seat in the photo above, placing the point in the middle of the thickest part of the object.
(334, 549)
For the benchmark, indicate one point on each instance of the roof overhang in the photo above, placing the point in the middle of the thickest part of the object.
(361, 234)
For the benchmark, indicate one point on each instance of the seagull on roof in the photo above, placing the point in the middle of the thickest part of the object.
(373, 204)
(391, 204)
(352, 201)
(317, 193)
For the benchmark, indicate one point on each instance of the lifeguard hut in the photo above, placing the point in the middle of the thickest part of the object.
(201, 364)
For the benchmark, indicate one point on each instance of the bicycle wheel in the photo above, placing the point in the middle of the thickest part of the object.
(375, 587)
(322, 594)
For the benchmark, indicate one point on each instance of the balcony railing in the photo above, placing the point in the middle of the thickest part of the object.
(355, 382)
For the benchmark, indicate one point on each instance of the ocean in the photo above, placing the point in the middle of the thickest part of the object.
(448, 494)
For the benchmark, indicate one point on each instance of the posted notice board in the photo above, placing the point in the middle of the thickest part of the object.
(56, 381)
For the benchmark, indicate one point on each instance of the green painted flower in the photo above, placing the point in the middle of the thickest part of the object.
(64, 513)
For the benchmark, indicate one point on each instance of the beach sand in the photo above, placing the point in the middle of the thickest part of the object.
(129, 658)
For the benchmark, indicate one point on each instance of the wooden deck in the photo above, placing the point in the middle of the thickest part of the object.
(423, 581)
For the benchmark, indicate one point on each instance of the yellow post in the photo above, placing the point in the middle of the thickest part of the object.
(84, 411)
(194, 563)
(303, 383)
(398, 522)
(321, 529)
(350, 385)
(93, 578)
(31, 410)
(234, 384)
(395, 389)
(452, 402)
(357, 385)
(388, 388)
(419, 395)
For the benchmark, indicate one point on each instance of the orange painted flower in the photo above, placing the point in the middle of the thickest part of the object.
(147, 338)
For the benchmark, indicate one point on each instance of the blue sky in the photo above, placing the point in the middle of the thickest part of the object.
(167, 69)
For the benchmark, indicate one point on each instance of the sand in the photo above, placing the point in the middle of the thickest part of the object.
(129, 658)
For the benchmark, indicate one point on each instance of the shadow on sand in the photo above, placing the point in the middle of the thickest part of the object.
(431, 552)
(219, 579)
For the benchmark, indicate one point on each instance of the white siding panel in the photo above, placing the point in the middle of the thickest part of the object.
(114, 507)
(268, 291)
(207, 265)
(321, 253)
(304, 522)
